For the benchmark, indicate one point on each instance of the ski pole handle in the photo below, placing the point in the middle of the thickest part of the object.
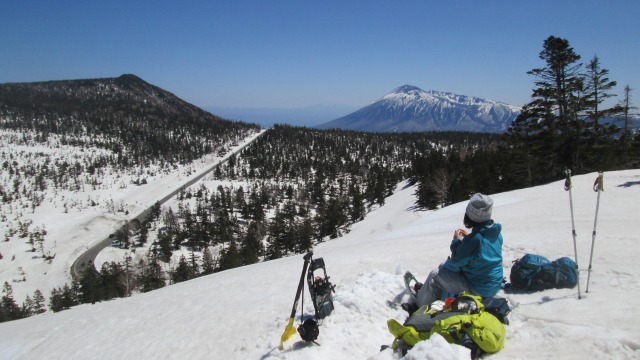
(567, 181)
(598, 185)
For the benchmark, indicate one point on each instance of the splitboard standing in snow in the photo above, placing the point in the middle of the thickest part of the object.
(457, 299)
(320, 289)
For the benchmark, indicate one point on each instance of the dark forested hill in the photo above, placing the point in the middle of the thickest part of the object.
(126, 115)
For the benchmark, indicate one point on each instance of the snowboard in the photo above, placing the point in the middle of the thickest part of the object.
(320, 288)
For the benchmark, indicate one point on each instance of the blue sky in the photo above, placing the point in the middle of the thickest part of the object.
(288, 54)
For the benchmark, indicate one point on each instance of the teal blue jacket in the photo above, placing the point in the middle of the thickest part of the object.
(479, 257)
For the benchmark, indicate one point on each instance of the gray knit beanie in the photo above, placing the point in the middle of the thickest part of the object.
(479, 208)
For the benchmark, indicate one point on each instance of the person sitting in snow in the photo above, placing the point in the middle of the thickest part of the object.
(475, 264)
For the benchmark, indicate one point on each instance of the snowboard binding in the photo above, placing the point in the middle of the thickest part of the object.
(320, 288)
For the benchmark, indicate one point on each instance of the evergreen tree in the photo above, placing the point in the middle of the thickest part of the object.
(317, 189)
(223, 227)
(9, 309)
(277, 234)
(204, 227)
(627, 134)
(559, 86)
(112, 281)
(230, 258)
(530, 141)
(163, 246)
(55, 301)
(71, 294)
(330, 217)
(195, 267)
(239, 201)
(27, 307)
(128, 275)
(64, 298)
(188, 228)
(182, 272)
(150, 273)
(144, 234)
(91, 290)
(122, 236)
(170, 220)
(288, 211)
(255, 208)
(431, 191)
(376, 185)
(304, 233)
(38, 303)
(357, 212)
(598, 136)
(154, 214)
(251, 246)
(208, 263)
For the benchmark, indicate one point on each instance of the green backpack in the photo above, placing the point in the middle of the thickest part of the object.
(464, 323)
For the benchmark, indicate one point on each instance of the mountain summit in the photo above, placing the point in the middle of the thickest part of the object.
(411, 109)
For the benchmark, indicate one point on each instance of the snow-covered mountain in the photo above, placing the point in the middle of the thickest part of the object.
(242, 313)
(411, 109)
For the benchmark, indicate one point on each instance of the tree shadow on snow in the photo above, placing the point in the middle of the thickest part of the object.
(408, 185)
(629, 184)
(415, 208)
(546, 299)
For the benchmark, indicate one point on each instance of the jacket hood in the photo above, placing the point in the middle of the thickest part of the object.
(489, 230)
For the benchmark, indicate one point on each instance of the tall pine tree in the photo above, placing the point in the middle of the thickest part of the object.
(627, 134)
(598, 136)
(557, 97)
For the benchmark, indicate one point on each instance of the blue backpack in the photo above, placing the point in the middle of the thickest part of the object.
(535, 272)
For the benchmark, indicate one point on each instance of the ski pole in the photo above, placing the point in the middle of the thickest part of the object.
(567, 187)
(598, 186)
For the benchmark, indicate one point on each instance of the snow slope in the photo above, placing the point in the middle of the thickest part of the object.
(241, 313)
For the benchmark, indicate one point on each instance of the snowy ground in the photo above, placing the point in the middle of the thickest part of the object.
(71, 232)
(241, 313)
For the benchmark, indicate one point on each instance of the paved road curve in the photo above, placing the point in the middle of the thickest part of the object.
(89, 256)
